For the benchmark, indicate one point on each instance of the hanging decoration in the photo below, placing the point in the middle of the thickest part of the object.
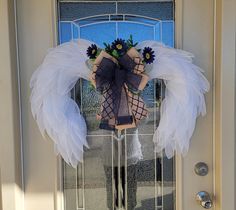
(119, 72)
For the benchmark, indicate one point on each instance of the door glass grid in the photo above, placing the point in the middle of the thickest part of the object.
(126, 174)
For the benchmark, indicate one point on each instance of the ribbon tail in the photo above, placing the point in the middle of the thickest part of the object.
(138, 107)
(124, 115)
(107, 111)
(125, 121)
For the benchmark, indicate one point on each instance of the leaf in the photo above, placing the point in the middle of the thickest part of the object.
(105, 44)
(115, 54)
(131, 37)
(130, 42)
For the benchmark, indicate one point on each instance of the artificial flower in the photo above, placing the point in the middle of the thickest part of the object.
(92, 51)
(120, 46)
(148, 55)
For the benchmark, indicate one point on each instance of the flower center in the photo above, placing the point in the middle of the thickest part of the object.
(119, 46)
(148, 56)
(93, 51)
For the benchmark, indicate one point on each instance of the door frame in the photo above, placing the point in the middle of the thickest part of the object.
(224, 107)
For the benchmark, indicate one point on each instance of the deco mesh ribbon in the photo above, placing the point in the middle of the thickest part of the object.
(120, 82)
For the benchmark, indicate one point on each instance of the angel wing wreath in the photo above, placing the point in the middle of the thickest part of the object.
(119, 73)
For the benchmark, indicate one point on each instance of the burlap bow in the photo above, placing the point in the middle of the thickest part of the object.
(117, 81)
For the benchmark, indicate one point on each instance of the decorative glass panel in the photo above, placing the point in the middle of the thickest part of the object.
(125, 174)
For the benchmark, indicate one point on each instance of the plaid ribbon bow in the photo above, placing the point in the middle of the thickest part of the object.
(117, 81)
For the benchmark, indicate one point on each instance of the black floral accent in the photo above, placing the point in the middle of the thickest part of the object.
(92, 51)
(120, 46)
(148, 55)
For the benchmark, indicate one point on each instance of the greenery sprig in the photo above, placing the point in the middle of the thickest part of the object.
(130, 43)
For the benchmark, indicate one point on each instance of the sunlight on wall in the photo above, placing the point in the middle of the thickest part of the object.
(42, 201)
(8, 201)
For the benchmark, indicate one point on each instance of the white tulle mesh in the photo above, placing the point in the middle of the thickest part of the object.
(59, 117)
(56, 113)
(184, 97)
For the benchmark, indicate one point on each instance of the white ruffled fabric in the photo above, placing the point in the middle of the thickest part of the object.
(184, 97)
(59, 117)
(132, 150)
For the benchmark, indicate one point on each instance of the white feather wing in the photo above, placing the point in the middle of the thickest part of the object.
(184, 97)
(59, 117)
(56, 114)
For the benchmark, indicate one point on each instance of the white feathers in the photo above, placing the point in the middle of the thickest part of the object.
(59, 117)
(56, 113)
(184, 97)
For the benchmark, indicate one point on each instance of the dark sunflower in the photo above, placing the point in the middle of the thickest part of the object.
(120, 46)
(92, 51)
(148, 55)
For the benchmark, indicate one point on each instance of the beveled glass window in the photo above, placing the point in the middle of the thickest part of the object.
(124, 174)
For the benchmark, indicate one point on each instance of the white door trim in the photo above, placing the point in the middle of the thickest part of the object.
(178, 158)
(225, 53)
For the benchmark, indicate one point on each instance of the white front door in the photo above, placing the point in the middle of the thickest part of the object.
(111, 177)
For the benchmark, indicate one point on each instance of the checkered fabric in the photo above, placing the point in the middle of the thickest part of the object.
(139, 68)
(107, 109)
(138, 106)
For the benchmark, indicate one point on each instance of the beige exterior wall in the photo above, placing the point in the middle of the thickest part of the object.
(12, 187)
